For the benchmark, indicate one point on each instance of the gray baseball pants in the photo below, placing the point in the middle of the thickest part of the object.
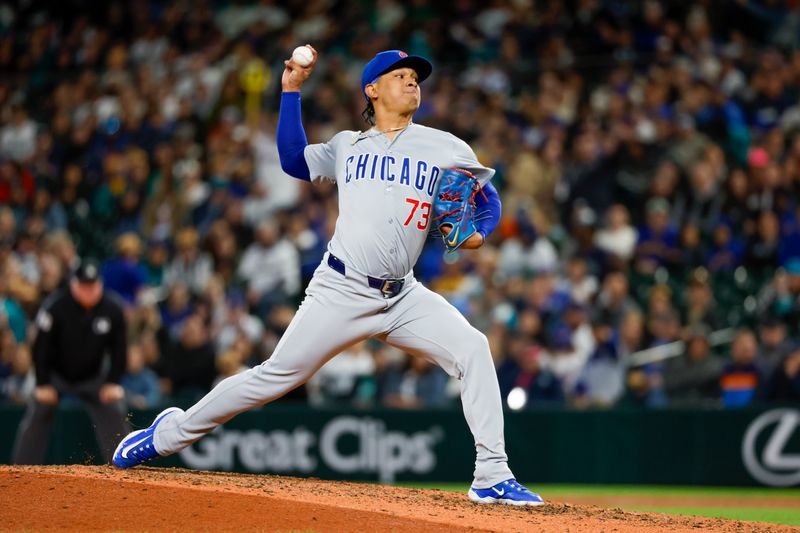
(339, 311)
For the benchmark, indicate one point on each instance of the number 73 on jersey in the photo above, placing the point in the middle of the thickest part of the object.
(423, 217)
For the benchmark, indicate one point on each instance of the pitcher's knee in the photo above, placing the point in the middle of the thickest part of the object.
(482, 341)
(476, 349)
(478, 341)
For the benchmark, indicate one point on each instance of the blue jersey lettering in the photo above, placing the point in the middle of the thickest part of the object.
(422, 168)
(374, 166)
(361, 166)
(385, 167)
(432, 183)
(348, 175)
(405, 172)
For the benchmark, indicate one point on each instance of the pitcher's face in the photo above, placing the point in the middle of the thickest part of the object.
(396, 91)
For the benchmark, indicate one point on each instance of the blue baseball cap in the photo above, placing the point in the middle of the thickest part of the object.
(389, 60)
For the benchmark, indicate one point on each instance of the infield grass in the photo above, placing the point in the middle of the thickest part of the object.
(775, 506)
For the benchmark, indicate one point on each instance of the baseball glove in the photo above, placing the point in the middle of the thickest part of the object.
(454, 208)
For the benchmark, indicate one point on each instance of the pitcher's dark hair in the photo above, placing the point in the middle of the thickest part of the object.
(369, 114)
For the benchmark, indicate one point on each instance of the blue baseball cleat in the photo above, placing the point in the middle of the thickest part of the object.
(508, 492)
(137, 447)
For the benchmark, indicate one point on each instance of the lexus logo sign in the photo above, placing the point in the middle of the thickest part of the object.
(764, 448)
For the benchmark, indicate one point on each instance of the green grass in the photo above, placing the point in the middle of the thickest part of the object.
(789, 515)
(638, 490)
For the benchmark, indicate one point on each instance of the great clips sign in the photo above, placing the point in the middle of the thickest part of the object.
(357, 446)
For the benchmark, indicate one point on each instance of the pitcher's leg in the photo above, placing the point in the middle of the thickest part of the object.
(430, 327)
(318, 331)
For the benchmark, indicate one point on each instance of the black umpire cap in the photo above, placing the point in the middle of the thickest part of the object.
(87, 271)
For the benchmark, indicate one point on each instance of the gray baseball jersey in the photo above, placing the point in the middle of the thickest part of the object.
(386, 188)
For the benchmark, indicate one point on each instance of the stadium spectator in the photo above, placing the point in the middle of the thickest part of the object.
(602, 380)
(773, 345)
(784, 385)
(344, 379)
(693, 250)
(188, 364)
(19, 385)
(693, 377)
(524, 373)
(526, 251)
(414, 383)
(704, 205)
(781, 297)
(587, 175)
(631, 334)
(666, 185)
(142, 390)
(658, 239)
(618, 237)
(18, 135)
(26, 256)
(8, 347)
(742, 381)
(583, 227)
(60, 244)
(190, 266)
(614, 298)
(271, 268)
(725, 252)
(176, 308)
(763, 250)
(700, 307)
(570, 344)
(578, 282)
(229, 363)
(154, 264)
(51, 273)
(736, 211)
(234, 322)
(12, 315)
(123, 274)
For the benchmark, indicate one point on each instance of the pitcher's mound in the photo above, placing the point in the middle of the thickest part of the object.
(101, 498)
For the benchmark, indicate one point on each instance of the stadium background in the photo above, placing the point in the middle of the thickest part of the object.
(647, 268)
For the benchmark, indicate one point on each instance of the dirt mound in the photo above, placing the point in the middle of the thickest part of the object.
(97, 498)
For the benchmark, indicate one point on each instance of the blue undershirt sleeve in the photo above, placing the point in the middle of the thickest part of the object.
(292, 140)
(487, 210)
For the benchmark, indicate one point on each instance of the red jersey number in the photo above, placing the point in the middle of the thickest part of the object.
(424, 213)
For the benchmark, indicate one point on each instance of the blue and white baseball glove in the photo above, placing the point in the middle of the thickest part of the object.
(454, 207)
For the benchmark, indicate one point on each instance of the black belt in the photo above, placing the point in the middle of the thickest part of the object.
(389, 287)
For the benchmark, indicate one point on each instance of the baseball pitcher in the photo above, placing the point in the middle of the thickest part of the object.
(395, 181)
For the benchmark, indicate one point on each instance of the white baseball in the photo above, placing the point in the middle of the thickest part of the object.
(303, 56)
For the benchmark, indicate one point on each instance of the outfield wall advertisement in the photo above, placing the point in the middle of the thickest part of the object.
(345, 445)
(742, 447)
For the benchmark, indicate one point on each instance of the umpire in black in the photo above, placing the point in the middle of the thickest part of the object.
(80, 350)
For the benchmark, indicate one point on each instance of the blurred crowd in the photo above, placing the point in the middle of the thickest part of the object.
(647, 155)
